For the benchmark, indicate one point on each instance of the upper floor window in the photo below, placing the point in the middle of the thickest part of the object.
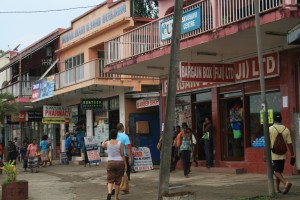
(74, 61)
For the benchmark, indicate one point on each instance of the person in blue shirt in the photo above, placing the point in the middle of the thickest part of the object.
(44, 149)
(122, 137)
(68, 146)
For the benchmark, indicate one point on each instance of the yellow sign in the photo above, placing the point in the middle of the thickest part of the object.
(270, 117)
(53, 120)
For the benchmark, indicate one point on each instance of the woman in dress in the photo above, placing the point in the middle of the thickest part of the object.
(33, 159)
(44, 146)
(116, 163)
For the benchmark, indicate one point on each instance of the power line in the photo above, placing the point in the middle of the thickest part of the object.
(43, 11)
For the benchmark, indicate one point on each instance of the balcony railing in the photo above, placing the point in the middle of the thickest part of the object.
(213, 14)
(19, 89)
(88, 71)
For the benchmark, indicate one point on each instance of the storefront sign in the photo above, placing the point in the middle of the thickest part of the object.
(20, 117)
(249, 69)
(147, 102)
(270, 117)
(142, 159)
(54, 120)
(185, 86)
(91, 104)
(206, 72)
(191, 20)
(105, 17)
(43, 89)
(56, 111)
(92, 149)
(35, 116)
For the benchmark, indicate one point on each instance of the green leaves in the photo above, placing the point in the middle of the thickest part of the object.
(146, 8)
(7, 105)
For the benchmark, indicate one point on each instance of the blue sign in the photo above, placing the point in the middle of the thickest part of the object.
(43, 89)
(191, 20)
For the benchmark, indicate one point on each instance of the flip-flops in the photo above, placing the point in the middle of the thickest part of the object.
(287, 188)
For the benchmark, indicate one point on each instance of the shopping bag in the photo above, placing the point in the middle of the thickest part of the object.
(124, 186)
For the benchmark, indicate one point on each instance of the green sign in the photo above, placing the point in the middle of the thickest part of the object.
(270, 116)
(91, 104)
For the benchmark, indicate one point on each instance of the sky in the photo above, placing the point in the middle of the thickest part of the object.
(25, 29)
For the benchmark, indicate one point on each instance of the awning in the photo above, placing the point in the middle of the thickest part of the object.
(293, 36)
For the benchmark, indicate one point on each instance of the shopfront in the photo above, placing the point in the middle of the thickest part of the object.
(235, 109)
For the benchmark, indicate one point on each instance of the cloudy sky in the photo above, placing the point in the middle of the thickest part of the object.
(27, 28)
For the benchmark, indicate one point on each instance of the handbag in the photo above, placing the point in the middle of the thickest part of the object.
(124, 186)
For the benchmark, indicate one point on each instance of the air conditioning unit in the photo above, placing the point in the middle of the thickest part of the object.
(48, 51)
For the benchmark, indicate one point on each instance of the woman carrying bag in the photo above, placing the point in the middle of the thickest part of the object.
(116, 165)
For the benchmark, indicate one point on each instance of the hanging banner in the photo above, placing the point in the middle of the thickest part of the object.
(35, 116)
(249, 69)
(43, 89)
(56, 111)
(206, 72)
(147, 102)
(20, 117)
(142, 159)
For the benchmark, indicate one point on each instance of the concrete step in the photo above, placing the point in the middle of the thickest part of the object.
(223, 170)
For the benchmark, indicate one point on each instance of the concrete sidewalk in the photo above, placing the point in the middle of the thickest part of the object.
(76, 182)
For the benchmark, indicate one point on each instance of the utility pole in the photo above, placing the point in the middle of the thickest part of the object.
(165, 161)
(264, 105)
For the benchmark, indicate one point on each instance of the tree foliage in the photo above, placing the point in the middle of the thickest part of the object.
(145, 8)
(7, 105)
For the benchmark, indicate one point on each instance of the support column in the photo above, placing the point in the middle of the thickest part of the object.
(62, 138)
(89, 123)
(122, 108)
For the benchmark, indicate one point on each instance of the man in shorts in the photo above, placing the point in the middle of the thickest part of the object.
(279, 160)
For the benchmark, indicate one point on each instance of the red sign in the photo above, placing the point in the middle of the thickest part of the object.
(205, 72)
(147, 102)
(249, 69)
(243, 71)
(185, 86)
(20, 117)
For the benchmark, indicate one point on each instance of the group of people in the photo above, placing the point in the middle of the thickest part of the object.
(32, 155)
(184, 146)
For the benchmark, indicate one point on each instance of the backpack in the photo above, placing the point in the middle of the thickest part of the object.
(279, 146)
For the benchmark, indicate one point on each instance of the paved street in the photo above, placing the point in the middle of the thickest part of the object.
(74, 182)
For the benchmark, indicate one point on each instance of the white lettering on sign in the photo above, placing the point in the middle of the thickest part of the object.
(147, 102)
(204, 72)
(249, 69)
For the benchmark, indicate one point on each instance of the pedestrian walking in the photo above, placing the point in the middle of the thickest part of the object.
(175, 149)
(124, 139)
(208, 141)
(44, 150)
(116, 165)
(193, 153)
(279, 131)
(33, 160)
(24, 156)
(185, 150)
(68, 146)
(12, 152)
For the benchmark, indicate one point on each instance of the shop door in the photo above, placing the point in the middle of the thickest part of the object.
(202, 110)
(232, 129)
(113, 119)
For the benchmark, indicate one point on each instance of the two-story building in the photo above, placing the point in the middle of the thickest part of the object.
(74, 92)
(219, 72)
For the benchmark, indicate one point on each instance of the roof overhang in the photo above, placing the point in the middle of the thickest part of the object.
(293, 36)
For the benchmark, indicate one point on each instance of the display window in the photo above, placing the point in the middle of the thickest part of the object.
(183, 110)
(256, 132)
